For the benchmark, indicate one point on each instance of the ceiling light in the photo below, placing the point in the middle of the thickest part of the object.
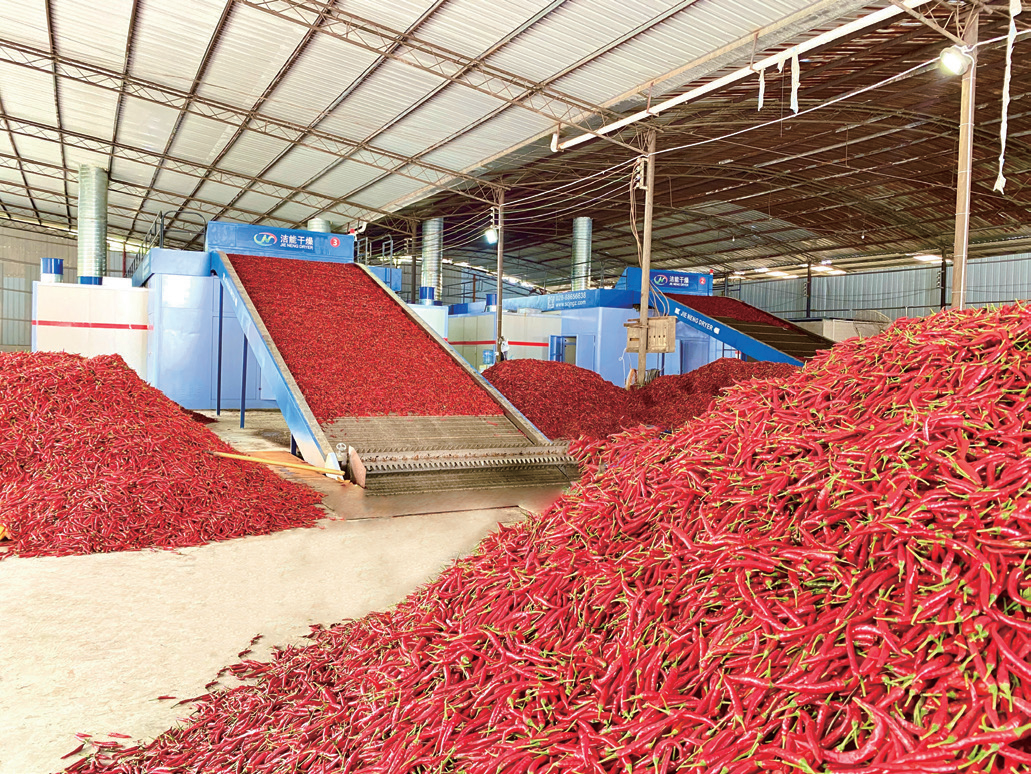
(821, 267)
(837, 271)
(928, 258)
(492, 235)
(738, 274)
(825, 262)
(762, 269)
(956, 60)
(779, 274)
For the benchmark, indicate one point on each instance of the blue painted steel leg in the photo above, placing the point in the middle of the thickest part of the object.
(293, 445)
(218, 370)
(243, 384)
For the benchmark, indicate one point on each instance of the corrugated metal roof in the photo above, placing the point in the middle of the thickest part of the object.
(245, 101)
(171, 37)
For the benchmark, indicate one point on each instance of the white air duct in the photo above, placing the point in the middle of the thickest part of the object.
(581, 271)
(92, 223)
(432, 284)
(320, 224)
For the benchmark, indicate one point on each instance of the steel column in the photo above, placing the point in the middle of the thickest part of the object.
(646, 258)
(808, 289)
(498, 314)
(243, 384)
(218, 368)
(966, 155)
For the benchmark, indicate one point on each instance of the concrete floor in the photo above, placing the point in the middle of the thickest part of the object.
(88, 643)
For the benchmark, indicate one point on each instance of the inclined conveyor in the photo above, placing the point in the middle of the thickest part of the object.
(407, 454)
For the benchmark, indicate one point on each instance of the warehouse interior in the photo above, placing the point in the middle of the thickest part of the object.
(548, 385)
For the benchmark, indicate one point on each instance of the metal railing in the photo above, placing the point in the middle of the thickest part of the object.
(160, 229)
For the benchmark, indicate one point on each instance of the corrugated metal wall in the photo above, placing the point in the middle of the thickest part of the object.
(20, 252)
(906, 292)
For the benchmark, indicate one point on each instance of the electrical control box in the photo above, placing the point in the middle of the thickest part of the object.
(662, 334)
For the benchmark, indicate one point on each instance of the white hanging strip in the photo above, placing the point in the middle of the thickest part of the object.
(762, 88)
(1015, 8)
(795, 78)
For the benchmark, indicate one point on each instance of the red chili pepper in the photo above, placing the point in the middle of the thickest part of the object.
(94, 460)
(695, 601)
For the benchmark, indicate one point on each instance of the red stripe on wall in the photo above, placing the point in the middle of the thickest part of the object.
(113, 326)
(511, 343)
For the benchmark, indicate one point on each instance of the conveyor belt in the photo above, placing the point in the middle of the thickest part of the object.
(404, 454)
(776, 340)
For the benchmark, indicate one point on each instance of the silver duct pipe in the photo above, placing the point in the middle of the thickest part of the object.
(320, 224)
(581, 271)
(92, 222)
(432, 250)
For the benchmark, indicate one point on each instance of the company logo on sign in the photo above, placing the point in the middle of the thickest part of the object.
(334, 242)
(265, 238)
(701, 280)
(662, 279)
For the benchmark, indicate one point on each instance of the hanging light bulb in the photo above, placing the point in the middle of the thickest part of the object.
(492, 232)
(955, 60)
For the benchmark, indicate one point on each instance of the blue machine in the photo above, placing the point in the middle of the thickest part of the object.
(183, 358)
(594, 332)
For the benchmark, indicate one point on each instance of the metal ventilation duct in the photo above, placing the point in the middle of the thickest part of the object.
(432, 284)
(320, 224)
(92, 222)
(581, 271)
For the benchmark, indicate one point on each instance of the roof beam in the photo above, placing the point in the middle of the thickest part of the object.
(207, 107)
(6, 124)
(49, 13)
(475, 73)
(928, 22)
(336, 102)
(22, 127)
(130, 39)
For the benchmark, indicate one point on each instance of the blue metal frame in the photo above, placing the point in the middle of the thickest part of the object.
(315, 448)
(732, 337)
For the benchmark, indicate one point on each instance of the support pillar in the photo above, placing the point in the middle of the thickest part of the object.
(646, 258)
(498, 314)
(966, 154)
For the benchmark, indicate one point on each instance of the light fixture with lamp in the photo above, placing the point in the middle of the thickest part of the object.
(956, 60)
(927, 258)
(492, 235)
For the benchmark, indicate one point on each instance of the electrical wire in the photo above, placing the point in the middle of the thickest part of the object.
(578, 199)
(552, 191)
(609, 196)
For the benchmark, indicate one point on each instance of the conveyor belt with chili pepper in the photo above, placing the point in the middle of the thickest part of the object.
(400, 409)
(755, 324)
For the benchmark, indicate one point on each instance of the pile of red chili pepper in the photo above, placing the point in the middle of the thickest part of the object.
(669, 401)
(93, 460)
(826, 573)
(565, 401)
(562, 400)
(353, 351)
(724, 306)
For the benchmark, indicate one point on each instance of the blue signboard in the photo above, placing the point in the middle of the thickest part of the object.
(578, 299)
(279, 242)
(692, 283)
